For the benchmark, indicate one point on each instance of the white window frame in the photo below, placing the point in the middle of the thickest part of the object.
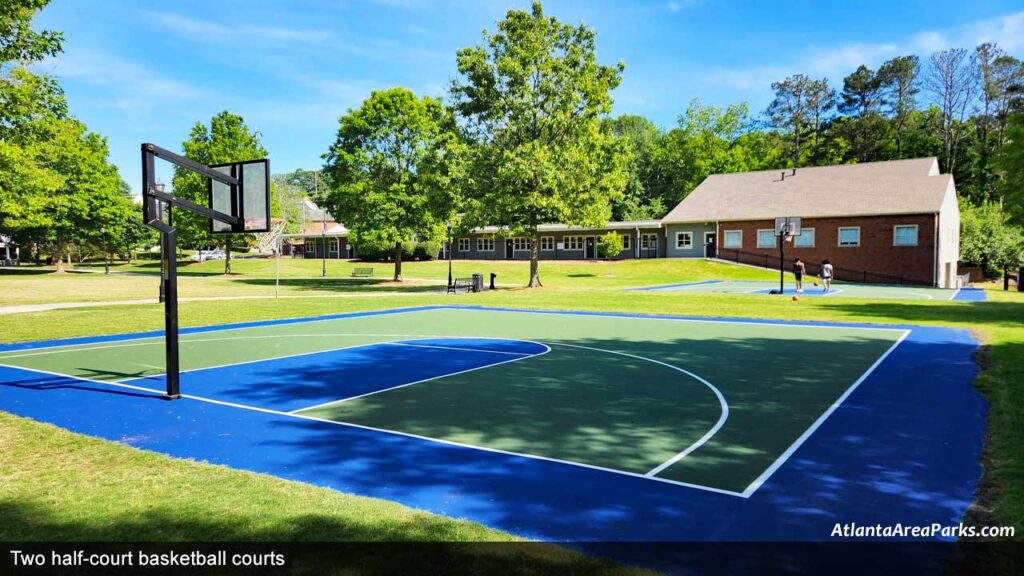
(813, 240)
(839, 236)
(310, 247)
(688, 244)
(725, 239)
(775, 241)
(463, 245)
(335, 247)
(520, 244)
(547, 243)
(483, 243)
(574, 243)
(625, 241)
(894, 235)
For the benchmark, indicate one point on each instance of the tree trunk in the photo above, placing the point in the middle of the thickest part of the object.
(227, 255)
(534, 253)
(58, 249)
(398, 262)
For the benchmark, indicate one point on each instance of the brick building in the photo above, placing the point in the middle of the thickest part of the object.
(895, 221)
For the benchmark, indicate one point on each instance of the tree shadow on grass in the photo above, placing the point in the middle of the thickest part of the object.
(343, 284)
(970, 314)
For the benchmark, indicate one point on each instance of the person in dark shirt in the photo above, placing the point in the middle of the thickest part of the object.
(798, 271)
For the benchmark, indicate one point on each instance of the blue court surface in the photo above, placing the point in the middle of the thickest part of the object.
(553, 425)
(811, 290)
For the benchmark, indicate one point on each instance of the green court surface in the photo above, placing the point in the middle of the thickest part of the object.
(838, 290)
(714, 404)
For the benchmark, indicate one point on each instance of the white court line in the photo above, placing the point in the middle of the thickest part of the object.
(395, 433)
(953, 296)
(707, 435)
(461, 349)
(760, 480)
(343, 400)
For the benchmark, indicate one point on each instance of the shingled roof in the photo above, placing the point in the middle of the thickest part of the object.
(869, 189)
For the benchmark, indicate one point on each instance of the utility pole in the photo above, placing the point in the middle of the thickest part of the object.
(323, 224)
(449, 255)
(106, 261)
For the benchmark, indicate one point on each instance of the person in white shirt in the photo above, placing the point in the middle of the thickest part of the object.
(826, 275)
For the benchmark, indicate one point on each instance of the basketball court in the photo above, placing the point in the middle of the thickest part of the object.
(550, 424)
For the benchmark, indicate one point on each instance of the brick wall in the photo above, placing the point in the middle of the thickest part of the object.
(876, 252)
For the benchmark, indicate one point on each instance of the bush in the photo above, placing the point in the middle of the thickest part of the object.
(609, 245)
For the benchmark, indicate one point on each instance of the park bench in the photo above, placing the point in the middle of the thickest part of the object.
(362, 273)
(461, 284)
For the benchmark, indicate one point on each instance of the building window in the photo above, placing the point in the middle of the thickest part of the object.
(520, 243)
(733, 239)
(904, 235)
(574, 242)
(805, 239)
(547, 243)
(849, 236)
(684, 240)
(766, 238)
(334, 246)
(463, 244)
(625, 242)
(485, 244)
(310, 246)
(648, 241)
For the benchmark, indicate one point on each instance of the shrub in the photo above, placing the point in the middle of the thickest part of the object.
(609, 245)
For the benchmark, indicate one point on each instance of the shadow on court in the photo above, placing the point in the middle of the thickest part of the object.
(903, 448)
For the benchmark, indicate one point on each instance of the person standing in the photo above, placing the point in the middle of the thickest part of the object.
(827, 271)
(799, 269)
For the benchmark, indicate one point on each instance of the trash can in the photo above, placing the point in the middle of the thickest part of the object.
(478, 282)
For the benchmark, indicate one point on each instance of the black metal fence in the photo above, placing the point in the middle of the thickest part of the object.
(771, 262)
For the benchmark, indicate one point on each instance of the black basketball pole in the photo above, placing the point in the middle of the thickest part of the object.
(782, 263)
(171, 314)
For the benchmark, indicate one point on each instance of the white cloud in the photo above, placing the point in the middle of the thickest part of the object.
(207, 31)
(132, 83)
(835, 63)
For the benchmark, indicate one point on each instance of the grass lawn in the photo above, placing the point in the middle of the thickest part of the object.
(63, 485)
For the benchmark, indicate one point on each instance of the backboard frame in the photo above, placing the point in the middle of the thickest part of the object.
(238, 195)
(788, 226)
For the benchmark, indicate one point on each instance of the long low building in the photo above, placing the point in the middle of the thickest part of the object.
(896, 221)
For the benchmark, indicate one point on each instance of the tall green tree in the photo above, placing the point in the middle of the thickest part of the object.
(378, 171)
(951, 81)
(899, 80)
(789, 112)
(988, 238)
(1011, 163)
(226, 139)
(861, 100)
(640, 200)
(532, 95)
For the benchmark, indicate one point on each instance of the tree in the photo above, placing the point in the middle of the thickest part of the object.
(988, 238)
(227, 139)
(609, 245)
(789, 111)
(862, 100)
(532, 96)
(899, 81)
(951, 81)
(820, 100)
(20, 43)
(640, 200)
(378, 171)
(1011, 163)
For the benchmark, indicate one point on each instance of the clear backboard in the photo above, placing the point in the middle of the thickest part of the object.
(787, 226)
(249, 201)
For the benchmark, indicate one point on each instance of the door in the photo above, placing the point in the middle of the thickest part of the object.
(590, 248)
(710, 250)
(509, 252)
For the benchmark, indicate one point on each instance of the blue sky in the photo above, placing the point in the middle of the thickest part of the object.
(147, 71)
